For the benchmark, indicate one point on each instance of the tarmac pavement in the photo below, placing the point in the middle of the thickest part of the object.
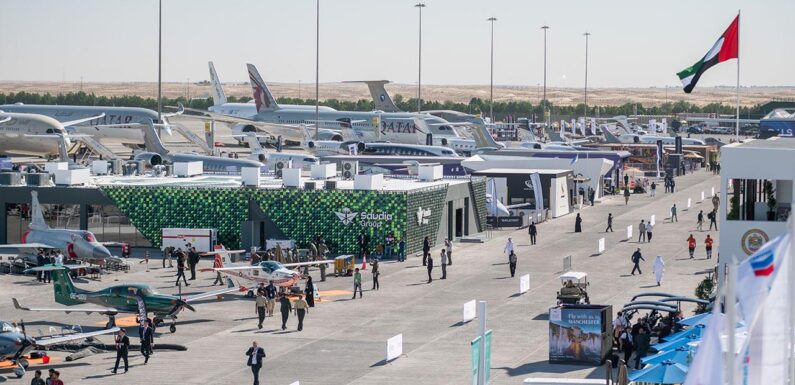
(344, 340)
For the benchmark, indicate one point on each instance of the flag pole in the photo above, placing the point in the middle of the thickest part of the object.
(791, 282)
(737, 125)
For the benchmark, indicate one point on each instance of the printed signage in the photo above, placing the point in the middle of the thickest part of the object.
(364, 219)
(394, 347)
(423, 216)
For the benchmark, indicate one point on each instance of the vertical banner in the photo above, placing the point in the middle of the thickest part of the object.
(475, 349)
(488, 357)
(469, 311)
(524, 284)
(581, 123)
(141, 308)
(653, 219)
(659, 156)
(562, 128)
(664, 126)
(593, 126)
(535, 179)
(629, 231)
(652, 126)
(394, 347)
(601, 248)
(573, 126)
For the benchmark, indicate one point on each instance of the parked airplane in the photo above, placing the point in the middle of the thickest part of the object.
(266, 271)
(381, 99)
(260, 154)
(330, 147)
(648, 139)
(157, 154)
(22, 133)
(242, 110)
(100, 122)
(135, 298)
(15, 343)
(81, 245)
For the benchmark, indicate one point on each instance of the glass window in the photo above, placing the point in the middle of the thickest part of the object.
(758, 200)
(269, 266)
(7, 327)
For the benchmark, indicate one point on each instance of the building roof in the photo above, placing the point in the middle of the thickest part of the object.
(521, 171)
(774, 143)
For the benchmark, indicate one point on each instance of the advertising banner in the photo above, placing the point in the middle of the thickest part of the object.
(575, 335)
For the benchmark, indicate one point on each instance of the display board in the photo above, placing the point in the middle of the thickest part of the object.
(580, 334)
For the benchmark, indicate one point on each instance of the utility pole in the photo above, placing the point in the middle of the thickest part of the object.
(419, 6)
(546, 120)
(317, 71)
(491, 83)
(587, 34)
(159, 60)
(299, 88)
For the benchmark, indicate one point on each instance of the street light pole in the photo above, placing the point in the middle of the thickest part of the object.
(491, 83)
(545, 28)
(159, 60)
(419, 6)
(317, 71)
(587, 34)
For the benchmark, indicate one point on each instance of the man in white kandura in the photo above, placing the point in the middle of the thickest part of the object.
(659, 269)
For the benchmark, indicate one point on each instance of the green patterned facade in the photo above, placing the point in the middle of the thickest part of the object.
(433, 199)
(477, 188)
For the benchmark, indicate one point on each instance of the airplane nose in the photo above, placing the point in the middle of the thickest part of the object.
(100, 252)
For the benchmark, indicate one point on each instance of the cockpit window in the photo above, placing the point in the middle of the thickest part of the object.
(89, 237)
(6, 327)
(269, 266)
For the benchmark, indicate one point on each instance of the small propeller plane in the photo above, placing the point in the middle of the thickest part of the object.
(263, 272)
(15, 343)
(135, 298)
(78, 244)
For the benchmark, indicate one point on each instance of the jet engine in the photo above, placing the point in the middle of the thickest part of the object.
(149, 158)
(242, 129)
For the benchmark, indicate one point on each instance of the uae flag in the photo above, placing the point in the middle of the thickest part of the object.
(727, 47)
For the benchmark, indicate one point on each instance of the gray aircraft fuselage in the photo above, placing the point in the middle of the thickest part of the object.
(13, 139)
(77, 244)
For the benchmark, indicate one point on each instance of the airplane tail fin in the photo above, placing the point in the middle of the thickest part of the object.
(263, 98)
(482, 137)
(609, 137)
(63, 287)
(152, 140)
(380, 97)
(36, 214)
(219, 97)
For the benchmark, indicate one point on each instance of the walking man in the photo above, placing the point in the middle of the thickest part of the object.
(363, 241)
(673, 214)
(357, 283)
(636, 258)
(508, 247)
(609, 222)
(147, 339)
(649, 229)
(167, 255)
(691, 245)
(512, 263)
(448, 244)
(658, 269)
(443, 261)
(255, 356)
(653, 189)
(533, 232)
(430, 268)
(261, 308)
(122, 350)
(626, 195)
(193, 260)
(713, 219)
(301, 309)
(700, 221)
(375, 274)
(402, 249)
(285, 308)
(641, 231)
(641, 346)
(426, 250)
(673, 185)
(270, 296)
(708, 243)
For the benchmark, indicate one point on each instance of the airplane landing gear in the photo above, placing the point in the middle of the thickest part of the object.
(111, 322)
(23, 363)
(173, 328)
(250, 294)
(158, 321)
(19, 371)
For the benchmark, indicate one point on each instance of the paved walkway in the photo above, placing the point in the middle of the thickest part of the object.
(343, 341)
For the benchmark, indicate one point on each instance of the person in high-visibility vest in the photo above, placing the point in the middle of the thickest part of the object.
(708, 243)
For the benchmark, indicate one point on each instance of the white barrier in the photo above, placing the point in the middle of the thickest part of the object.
(567, 263)
(689, 202)
(629, 232)
(702, 196)
(394, 347)
(653, 220)
(296, 383)
(524, 283)
(712, 193)
(469, 310)
(601, 247)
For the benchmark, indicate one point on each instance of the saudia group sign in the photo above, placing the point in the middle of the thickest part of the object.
(364, 218)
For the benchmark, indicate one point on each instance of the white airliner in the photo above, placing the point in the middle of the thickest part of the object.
(35, 134)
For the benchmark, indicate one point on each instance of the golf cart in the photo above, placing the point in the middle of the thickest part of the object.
(575, 288)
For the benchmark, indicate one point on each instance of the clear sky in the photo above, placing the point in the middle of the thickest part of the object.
(635, 43)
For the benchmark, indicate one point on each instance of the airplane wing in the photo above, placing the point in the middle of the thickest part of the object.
(248, 267)
(230, 287)
(57, 339)
(6, 119)
(78, 121)
(297, 264)
(27, 246)
(67, 310)
(180, 110)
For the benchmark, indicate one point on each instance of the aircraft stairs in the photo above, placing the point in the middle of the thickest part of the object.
(193, 138)
(97, 147)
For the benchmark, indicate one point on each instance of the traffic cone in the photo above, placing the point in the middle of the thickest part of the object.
(364, 263)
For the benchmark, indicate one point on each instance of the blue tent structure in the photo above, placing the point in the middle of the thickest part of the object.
(666, 372)
(698, 319)
(694, 331)
(671, 345)
(680, 355)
